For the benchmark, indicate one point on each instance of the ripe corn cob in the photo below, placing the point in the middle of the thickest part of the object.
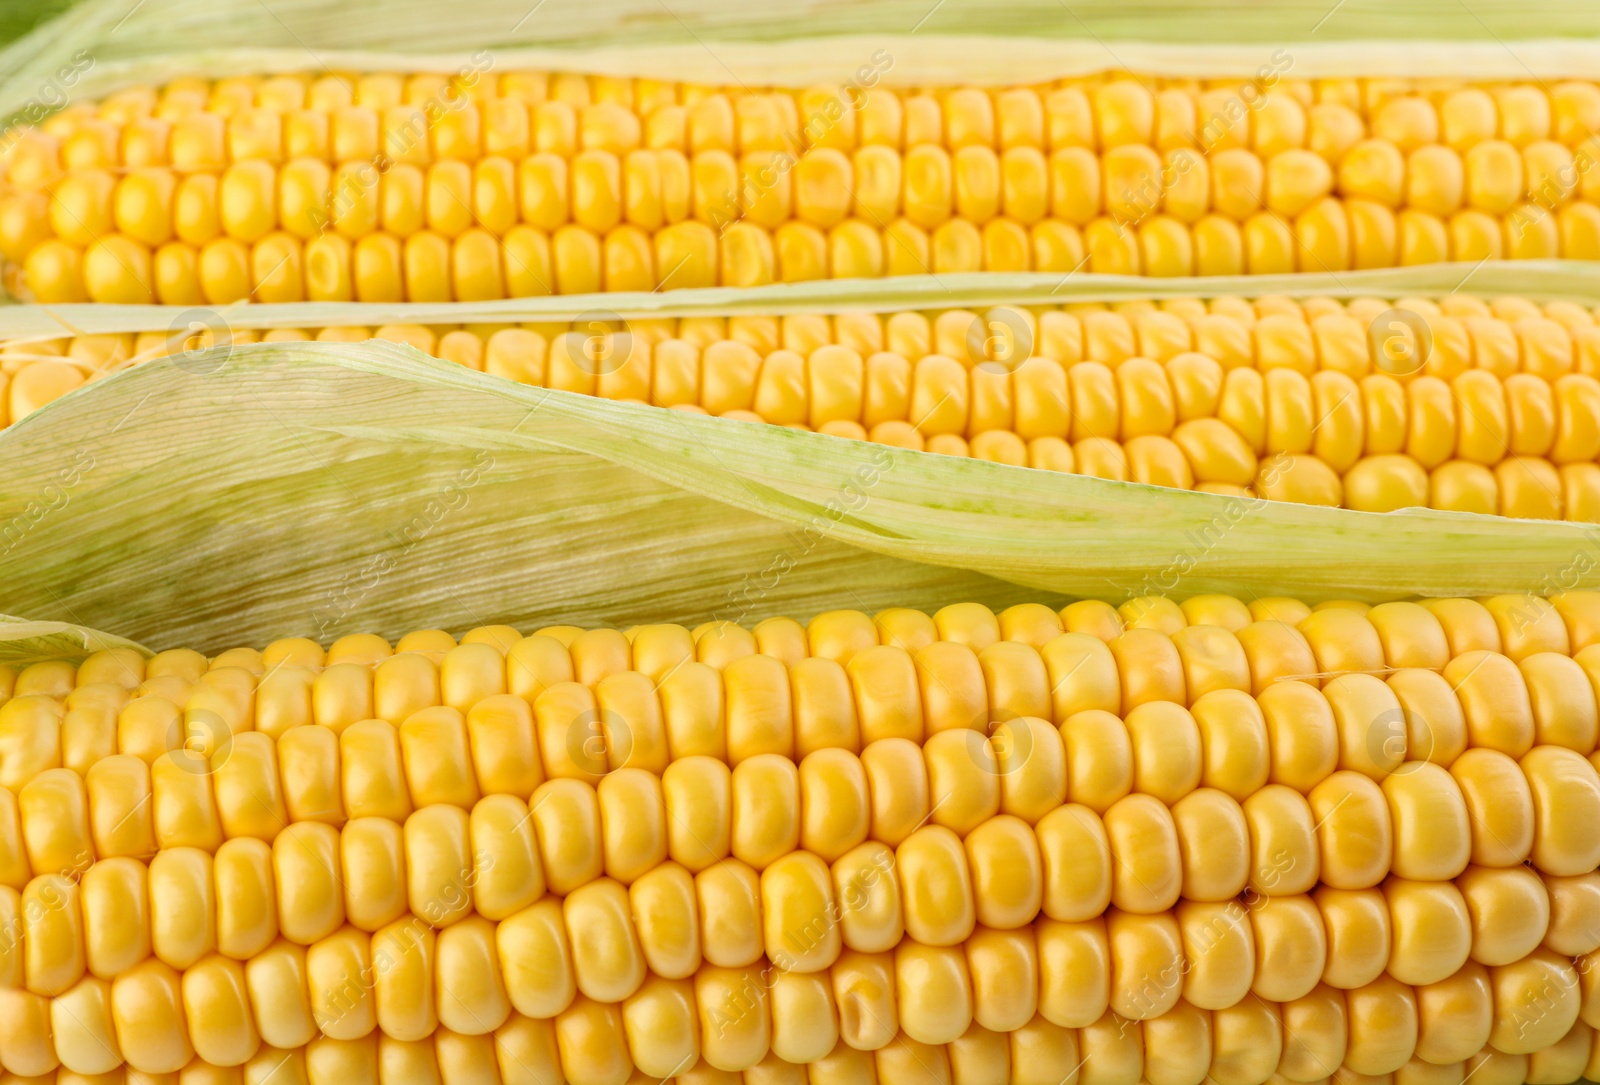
(1490, 407)
(1152, 762)
(384, 187)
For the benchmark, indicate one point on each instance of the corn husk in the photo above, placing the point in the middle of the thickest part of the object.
(231, 497)
(724, 42)
(23, 642)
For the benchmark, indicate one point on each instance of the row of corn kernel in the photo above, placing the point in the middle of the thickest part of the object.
(1487, 810)
(1001, 978)
(1299, 734)
(602, 187)
(736, 1018)
(1138, 858)
(1334, 636)
(1203, 848)
(1181, 1047)
(1418, 932)
(1490, 173)
(126, 809)
(1462, 333)
(1102, 109)
(41, 1051)
(1505, 336)
(570, 110)
(591, 1046)
(597, 1045)
(528, 262)
(529, 963)
(1535, 690)
(603, 940)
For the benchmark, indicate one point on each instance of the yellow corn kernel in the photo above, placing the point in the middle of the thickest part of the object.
(1269, 245)
(1295, 180)
(665, 905)
(1374, 170)
(147, 1006)
(1513, 986)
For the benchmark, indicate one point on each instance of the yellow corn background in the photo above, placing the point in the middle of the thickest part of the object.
(1207, 841)
(388, 187)
(1461, 404)
(1225, 840)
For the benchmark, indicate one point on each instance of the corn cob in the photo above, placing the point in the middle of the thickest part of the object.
(1040, 831)
(1492, 407)
(384, 187)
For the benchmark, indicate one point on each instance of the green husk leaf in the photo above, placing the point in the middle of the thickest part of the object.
(727, 42)
(317, 489)
(23, 642)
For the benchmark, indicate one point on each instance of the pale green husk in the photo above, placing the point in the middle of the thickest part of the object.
(730, 42)
(23, 642)
(315, 489)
